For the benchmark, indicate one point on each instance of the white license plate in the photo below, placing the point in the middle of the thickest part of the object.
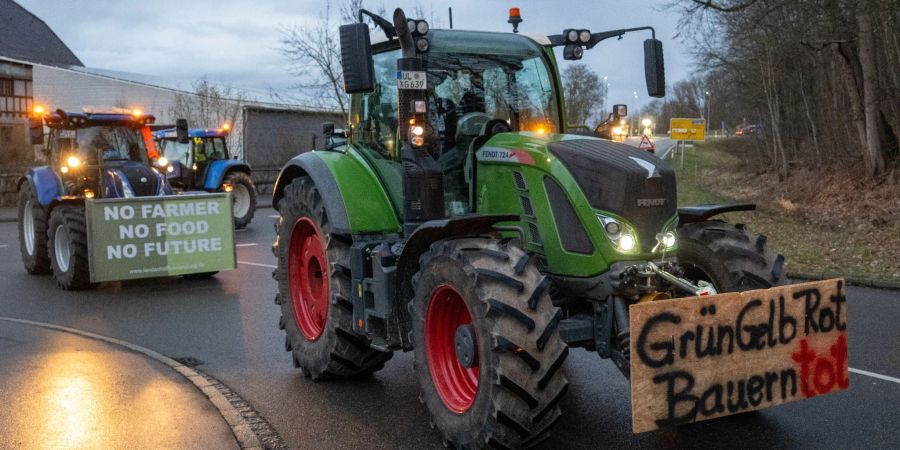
(411, 79)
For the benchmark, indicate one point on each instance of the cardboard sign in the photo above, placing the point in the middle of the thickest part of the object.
(687, 129)
(704, 357)
(159, 236)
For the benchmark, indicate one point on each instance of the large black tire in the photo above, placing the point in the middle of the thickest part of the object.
(728, 256)
(337, 351)
(33, 241)
(244, 207)
(519, 351)
(67, 242)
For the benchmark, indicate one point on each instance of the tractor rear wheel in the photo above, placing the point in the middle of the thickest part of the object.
(243, 197)
(313, 276)
(67, 239)
(487, 348)
(33, 232)
(728, 256)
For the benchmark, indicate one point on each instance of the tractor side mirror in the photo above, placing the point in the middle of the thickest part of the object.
(181, 131)
(36, 130)
(356, 59)
(654, 68)
(328, 129)
(620, 110)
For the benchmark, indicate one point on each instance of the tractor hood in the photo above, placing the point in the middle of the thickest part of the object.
(616, 178)
(132, 179)
(621, 179)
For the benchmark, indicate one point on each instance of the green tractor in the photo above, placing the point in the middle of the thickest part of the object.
(462, 223)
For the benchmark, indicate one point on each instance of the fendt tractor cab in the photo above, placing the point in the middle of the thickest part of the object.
(461, 222)
(90, 154)
(615, 127)
(202, 162)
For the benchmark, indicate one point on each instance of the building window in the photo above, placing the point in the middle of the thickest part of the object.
(5, 135)
(6, 87)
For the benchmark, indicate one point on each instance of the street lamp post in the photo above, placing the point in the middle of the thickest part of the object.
(633, 112)
(603, 99)
(708, 107)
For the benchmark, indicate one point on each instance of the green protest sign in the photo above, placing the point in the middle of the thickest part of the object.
(159, 236)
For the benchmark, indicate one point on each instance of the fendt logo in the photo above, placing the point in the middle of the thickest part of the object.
(651, 201)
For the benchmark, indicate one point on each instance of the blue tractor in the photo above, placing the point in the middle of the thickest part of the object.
(203, 163)
(90, 155)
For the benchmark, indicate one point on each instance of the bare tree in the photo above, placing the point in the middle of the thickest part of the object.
(210, 106)
(584, 92)
(315, 55)
(817, 74)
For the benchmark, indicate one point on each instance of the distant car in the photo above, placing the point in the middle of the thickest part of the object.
(748, 130)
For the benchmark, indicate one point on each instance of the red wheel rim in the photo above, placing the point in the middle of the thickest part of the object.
(307, 272)
(455, 384)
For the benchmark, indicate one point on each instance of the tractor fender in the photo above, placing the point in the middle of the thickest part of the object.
(217, 170)
(355, 199)
(700, 213)
(47, 184)
(434, 230)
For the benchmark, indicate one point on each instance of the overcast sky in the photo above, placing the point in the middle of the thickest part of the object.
(236, 42)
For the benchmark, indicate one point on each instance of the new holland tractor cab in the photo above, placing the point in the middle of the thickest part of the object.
(461, 222)
(202, 163)
(90, 154)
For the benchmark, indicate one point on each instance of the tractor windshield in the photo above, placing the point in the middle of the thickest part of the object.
(467, 90)
(108, 144)
(176, 151)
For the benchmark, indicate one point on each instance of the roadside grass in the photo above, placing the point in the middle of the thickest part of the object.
(825, 223)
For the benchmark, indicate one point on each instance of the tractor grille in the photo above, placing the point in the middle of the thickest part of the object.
(143, 181)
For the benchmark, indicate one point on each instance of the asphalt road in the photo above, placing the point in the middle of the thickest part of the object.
(229, 324)
(663, 145)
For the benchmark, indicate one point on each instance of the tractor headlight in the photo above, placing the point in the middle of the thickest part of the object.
(162, 161)
(617, 130)
(417, 134)
(73, 161)
(667, 239)
(584, 36)
(620, 234)
(626, 243)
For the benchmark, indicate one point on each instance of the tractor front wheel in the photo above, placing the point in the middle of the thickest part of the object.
(243, 197)
(487, 348)
(728, 256)
(313, 275)
(33, 232)
(67, 240)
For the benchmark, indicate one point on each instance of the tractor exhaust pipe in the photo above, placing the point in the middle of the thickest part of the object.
(423, 184)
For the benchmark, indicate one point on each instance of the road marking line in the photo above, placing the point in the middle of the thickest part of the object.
(274, 217)
(874, 375)
(241, 429)
(3, 245)
(251, 244)
(257, 264)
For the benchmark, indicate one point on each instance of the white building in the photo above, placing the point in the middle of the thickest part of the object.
(36, 67)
